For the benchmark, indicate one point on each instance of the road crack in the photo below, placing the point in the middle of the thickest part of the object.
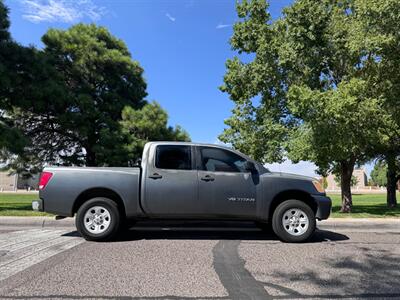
(236, 279)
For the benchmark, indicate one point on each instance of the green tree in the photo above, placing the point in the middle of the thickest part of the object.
(75, 119)
(377, 33)
(101, 79)
(305, 90)
(11, 139)
(260, 119)
(4, 23)
(76, 102)
(392, 156)
(337, 127)
(148, 124)
(378, 174)
(30, 98)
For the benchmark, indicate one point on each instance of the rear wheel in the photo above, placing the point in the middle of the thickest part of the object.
(98, 219)
(293, 221)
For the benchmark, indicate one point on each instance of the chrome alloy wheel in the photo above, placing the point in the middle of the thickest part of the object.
(295, 221)
(97, 219)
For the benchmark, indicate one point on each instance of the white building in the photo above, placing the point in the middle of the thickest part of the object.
(13, 182)
(358, 173)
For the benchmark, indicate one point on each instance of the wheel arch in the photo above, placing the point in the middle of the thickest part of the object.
(289, 195)
(99, 192)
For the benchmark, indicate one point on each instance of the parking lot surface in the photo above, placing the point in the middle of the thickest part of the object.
(200, 261)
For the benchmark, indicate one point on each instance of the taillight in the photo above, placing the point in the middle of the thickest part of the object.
(44, 179)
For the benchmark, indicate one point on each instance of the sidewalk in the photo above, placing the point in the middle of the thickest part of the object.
(368, 224)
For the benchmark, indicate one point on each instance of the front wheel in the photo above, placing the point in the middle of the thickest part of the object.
(293, 221)
(98, 219)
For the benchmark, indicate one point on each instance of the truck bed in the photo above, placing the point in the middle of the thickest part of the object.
(70, 183)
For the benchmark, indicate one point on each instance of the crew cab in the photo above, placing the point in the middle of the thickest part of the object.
(180, 180)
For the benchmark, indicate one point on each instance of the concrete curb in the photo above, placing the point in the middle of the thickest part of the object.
(362, 220)
(362, 224)
(36, 221)
(374, 224)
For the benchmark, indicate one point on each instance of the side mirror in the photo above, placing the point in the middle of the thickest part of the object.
(249, 166)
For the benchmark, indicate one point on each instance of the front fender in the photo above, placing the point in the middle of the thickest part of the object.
(324, 204)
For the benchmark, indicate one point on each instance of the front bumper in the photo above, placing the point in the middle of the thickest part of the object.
(324, 206)
(37, 205)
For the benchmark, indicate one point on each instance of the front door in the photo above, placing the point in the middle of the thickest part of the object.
(171, 182)
(228, 190)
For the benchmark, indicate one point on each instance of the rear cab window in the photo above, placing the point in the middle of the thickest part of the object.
(173, 157)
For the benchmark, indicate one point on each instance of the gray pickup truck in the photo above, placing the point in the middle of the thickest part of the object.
(178, 180)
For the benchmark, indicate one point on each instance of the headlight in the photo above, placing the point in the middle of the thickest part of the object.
(318, 186)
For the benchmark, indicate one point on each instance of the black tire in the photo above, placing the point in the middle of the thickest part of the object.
(114, 220)
(279, 228)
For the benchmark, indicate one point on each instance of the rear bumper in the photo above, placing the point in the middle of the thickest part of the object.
(324, 206)
(37, 205)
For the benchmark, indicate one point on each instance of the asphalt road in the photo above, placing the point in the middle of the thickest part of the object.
(193, 262)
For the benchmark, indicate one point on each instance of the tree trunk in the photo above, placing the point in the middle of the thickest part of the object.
(391, 181)
(346, 171)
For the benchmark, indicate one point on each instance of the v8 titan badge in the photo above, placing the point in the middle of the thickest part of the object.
(241, 199)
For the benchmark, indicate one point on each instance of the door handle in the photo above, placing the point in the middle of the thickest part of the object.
(155, 176)
(207, 178)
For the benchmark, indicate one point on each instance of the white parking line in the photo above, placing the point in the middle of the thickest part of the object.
(20, 250)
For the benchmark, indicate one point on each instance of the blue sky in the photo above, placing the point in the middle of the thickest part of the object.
(181, 44)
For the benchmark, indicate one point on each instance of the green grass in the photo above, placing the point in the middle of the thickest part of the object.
(364, 206)
(13, 204)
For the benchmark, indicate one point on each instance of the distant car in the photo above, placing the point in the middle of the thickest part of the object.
(179, 180)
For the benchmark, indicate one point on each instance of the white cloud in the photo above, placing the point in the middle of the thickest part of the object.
(65, 11)
(220, 26)
(302, 168)
(171, 18)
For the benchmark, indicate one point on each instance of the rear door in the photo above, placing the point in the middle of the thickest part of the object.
(171, 182)
(225, 187)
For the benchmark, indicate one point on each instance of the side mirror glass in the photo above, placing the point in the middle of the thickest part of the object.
(249, 166)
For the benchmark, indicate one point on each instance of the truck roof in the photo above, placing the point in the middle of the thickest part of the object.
(190, 144)
(198, 144)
